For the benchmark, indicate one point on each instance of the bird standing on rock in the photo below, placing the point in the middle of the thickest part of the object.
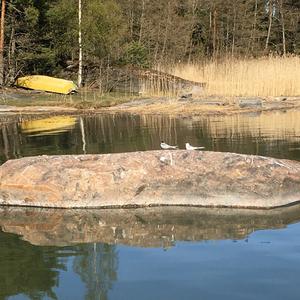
(165, 146)
(190, 147)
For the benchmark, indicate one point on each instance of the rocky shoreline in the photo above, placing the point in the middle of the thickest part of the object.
(186, 105)
(205, 106)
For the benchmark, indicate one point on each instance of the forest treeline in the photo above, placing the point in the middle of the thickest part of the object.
(41, 36)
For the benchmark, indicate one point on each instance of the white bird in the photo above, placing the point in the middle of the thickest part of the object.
(190, 147)
(165, 146)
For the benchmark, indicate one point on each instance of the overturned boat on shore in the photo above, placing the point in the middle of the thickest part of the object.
(47, 84)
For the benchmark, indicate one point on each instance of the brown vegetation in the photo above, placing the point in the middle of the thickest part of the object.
(268, 76)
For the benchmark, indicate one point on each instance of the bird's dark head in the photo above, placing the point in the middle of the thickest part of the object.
(162, 141)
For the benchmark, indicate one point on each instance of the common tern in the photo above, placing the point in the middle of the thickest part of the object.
(165, 146)
(190, 147)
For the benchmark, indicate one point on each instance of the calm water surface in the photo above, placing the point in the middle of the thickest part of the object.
(155, 253)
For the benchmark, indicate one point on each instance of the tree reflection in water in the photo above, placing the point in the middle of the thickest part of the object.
(28, 269)
(97, 267)
(33, 271)
(270, 134)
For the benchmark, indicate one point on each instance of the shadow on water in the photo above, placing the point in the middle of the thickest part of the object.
(274, 134)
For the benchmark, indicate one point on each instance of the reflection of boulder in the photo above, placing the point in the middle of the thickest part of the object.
(150, 178)
(32, 271)
(145, 227)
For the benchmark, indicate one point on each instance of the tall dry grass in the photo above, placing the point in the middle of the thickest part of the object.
(268, 76)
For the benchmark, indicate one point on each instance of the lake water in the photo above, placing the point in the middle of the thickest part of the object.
(152, 253)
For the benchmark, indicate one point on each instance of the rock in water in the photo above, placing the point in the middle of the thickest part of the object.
(150, 178)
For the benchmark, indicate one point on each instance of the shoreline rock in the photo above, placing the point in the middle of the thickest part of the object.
(150, 178)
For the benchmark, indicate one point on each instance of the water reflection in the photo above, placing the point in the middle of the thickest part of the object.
(143, 227)
(51, 125)
(97, 266)
(84, 243)
(274, 134)
(27, 269)
(35, 272)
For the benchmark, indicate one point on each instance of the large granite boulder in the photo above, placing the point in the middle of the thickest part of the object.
(150, 178)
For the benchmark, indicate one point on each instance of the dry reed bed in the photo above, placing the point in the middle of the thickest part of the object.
(268, 76)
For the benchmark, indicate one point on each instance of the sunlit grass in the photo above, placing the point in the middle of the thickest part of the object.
(268, 76)
(84, 99)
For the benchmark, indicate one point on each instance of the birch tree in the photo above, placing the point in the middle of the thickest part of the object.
(79, 45)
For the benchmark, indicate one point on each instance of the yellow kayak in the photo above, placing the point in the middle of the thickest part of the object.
(52, 125)
(47, 83)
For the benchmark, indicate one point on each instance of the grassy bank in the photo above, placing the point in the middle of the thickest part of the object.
(269, 76)
(84, 99)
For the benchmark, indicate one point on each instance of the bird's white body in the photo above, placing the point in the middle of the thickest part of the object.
(166, 146)
(190, 147)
